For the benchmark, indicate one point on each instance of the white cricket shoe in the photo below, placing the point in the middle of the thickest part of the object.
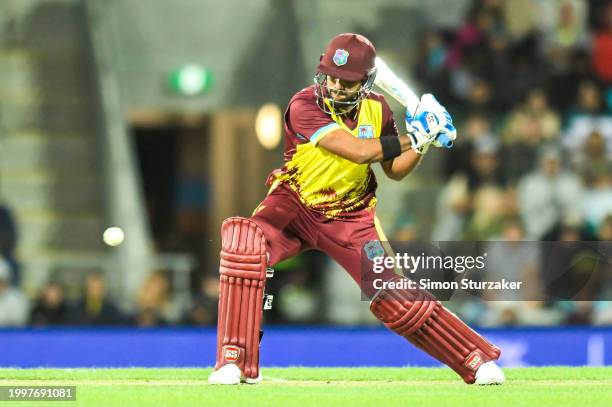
(231, 374)
(258, 379)
(226, 374)
(489, 373)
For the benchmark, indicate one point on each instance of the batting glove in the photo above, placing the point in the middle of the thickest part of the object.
(429, 103)
(422, 130)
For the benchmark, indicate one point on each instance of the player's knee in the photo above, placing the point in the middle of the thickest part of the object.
(242, 236)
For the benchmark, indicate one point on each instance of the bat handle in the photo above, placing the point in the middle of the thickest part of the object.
(444, 140)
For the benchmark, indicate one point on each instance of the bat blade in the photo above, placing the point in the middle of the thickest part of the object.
(389, 82)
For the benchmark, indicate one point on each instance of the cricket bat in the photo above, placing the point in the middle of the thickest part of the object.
(388, 81)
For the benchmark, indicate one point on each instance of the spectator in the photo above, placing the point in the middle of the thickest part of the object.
(51, 307)
(602, 47)
(586, 117)
(520, 18)
(204, 306)
(13, 304)
(452, 209)
(95, 308)
(513, 258)
(568, 70)
(472, 54)
(566, 30)
(484, 165)
(604, 233)
(155, 305)
(476, 127)
(597, 203)
(480, 22)
(8, 242)
(576, 271)
(548, 195)
(588, 101)
(490, 208)
(527, 70)
(591, 162)
(526, 128)
(486, 186)
(570, 266)
(430, 64)
(470, 203)
(595, 169)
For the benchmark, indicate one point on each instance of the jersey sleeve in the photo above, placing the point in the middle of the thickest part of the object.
(308, 121)
(389, 128)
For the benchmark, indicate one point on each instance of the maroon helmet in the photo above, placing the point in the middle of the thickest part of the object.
(349, 57)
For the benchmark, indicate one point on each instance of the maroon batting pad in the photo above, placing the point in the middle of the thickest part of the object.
(243, 277)
(423, 321)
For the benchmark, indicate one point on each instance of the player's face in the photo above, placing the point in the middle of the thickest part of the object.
(342, 90)
(337, 96)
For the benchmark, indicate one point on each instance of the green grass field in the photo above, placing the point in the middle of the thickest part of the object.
(556, 386)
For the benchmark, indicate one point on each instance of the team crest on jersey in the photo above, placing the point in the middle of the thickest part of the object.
(373, 249)
(365, 131)
(340, 57)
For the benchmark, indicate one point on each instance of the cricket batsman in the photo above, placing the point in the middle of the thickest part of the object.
(323, 198)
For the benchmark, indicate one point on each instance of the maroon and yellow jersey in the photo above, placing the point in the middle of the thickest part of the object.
(324, 181)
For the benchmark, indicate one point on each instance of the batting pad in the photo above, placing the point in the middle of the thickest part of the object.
(426, 323)
(242, 281)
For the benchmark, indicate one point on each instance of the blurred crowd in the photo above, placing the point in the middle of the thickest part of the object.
(529, 84)
(61, 303)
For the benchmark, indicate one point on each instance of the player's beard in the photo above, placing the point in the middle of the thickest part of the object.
(338, 102)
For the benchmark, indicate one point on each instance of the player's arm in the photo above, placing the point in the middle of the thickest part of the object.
(431, 119)
(364, 151)
(397, 168)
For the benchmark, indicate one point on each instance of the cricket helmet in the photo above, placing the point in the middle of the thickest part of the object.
(349, 57)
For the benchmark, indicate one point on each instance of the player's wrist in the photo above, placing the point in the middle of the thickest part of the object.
(391, 147)
(418, 143)
(405, 142)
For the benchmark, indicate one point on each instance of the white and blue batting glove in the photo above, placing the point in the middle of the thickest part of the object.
(422, 130)
(429, 104)
(429, 123)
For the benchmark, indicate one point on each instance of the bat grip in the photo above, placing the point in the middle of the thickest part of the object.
(444, 140)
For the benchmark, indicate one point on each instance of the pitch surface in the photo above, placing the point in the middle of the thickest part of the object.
(557, 386)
